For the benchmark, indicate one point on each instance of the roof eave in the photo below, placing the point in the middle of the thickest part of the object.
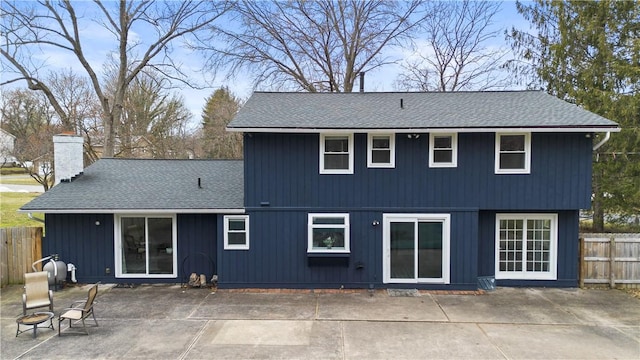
(136, 211)
(300, 130)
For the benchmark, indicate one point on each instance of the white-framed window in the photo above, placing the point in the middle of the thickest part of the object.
(236, 232)
(328, 233)
(513, 153)
(416, 248)
(443, 150)
(526, 246)
(381, 151)
(145, 246)
(336, 153)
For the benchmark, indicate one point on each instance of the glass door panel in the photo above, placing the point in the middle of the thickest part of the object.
(402, 250)
(160, 246)
(429, 249)
(134, 247)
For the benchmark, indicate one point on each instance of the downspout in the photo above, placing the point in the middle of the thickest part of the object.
(606, 138)
(30, 215)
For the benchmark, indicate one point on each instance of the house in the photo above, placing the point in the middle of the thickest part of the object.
(7, 143)
(355, 190)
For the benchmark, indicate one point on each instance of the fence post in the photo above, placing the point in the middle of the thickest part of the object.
(581, 263)
(612, 260)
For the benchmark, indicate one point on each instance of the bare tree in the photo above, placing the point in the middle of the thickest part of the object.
(456, 54)
(30, 119)
(154, 120)
(311, 45)
(28, 27)
(77, 99)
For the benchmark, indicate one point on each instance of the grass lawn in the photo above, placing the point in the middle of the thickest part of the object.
(21, 179)
(10, 202)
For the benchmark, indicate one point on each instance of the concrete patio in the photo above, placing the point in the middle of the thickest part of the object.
(171, 322)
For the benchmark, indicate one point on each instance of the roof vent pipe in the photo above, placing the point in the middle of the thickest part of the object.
(362, 81)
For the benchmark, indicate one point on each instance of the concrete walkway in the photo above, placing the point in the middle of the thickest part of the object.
(169, 322)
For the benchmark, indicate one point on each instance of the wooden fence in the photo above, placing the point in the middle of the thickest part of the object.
(19, 248)
(612, 259)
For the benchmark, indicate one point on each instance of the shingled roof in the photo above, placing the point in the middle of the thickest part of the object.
(267, 111)
(120, 185)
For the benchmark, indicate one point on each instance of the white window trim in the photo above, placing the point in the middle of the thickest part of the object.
(336, 171)
(454, 151)
(527, 155)
(392, 151)
(446, 247)
(118, 246)
(552, 274)
(228, 246)
(311, 226)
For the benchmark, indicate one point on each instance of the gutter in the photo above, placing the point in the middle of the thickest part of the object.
(30, 215)
(603, 141)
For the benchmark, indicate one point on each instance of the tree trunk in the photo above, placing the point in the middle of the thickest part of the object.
(598, 210)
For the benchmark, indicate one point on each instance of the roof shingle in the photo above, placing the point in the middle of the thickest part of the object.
(137, 184)
(424, 110)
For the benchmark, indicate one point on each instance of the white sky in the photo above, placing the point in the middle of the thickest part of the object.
(99, 43)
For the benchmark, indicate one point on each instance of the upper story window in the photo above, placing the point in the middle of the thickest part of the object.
(513, 153)
(236, 232)
(381, 152)
(328, 233)
(443, 150)
(336, 154)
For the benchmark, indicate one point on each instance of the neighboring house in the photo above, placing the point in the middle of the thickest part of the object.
(361, 190)
(7, 143)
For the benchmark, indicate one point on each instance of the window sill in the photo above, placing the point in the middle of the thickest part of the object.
(326, 254)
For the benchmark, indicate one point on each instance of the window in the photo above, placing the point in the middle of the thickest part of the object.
(328, 233)
(145, 246)
(336, 154)
(526, 246)
(236, 232)
(443, 150)
(381, 152)
(513, 153)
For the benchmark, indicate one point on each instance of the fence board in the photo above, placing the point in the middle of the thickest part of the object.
(20, 247)
(612, 259)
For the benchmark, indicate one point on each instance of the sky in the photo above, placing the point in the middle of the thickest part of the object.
(98, 44)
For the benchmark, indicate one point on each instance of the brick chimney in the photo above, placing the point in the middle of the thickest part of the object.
(67, 156)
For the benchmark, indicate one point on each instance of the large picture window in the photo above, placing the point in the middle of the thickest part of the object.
(513, 153)
(328, 233)
(381, 152)
(145, 246)
(526, 246)
(336, 154)
(443, 150)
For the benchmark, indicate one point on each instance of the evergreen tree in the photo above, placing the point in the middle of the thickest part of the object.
(588, 53)
(218, 111)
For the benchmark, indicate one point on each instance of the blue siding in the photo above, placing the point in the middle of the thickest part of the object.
(90, 247)
(78, 240)
(197, 234)
(282, 169)
(278, 254)
(567, 251)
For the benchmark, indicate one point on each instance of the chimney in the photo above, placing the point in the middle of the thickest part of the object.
(67, 156)
(362, 81)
